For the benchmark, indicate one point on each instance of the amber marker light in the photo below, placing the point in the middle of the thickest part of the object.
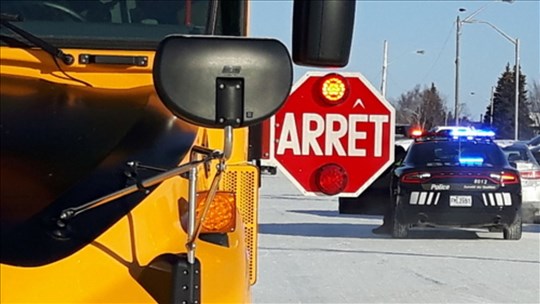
(333, 89)
(221, 216)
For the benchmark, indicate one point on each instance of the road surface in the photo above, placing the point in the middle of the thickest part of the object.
(308, 253)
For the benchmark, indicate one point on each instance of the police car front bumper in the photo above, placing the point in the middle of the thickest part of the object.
(482, 210)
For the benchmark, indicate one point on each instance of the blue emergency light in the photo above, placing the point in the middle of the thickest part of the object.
(472, 133)
(471, 161)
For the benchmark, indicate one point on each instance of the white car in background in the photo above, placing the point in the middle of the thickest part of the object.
(505, 142)
(534, 142)
(440, 130)
(447, 130)
(529, 170)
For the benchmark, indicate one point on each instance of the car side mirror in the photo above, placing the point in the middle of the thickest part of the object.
(513, 164)
(322, 32)
(216, 82)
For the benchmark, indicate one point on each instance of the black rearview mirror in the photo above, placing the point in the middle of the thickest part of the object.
(322, 32)
(215, 82)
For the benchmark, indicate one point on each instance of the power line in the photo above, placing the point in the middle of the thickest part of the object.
(440, 52)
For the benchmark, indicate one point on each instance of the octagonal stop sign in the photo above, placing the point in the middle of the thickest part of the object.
(334, 135)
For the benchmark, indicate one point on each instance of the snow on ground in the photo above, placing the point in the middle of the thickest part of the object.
(308, 253)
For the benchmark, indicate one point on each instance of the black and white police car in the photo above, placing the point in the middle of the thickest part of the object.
(461, 179)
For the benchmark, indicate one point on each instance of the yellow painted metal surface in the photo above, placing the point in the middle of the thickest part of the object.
(38, 64)
(105, 270)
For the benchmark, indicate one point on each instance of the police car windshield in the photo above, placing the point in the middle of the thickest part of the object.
(455, 153)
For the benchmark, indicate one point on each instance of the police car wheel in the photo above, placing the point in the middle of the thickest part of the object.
(399, 230)
(513, 231)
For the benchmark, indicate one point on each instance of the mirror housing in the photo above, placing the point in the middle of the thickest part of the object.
(322, 32)
(215, 82)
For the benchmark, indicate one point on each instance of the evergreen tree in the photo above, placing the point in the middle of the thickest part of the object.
(504, 107)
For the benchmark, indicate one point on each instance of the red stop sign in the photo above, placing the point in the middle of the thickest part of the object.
(333, 128)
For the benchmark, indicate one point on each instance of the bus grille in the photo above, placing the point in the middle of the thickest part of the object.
(243, 180)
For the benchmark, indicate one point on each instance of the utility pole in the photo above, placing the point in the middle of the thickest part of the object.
(384, 69)
(516, 72)
(456, 102)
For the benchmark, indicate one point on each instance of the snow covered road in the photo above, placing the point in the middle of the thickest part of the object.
(309, 253)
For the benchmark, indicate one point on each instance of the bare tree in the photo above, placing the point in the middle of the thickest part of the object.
(407, 106)
(432, 109)
(534, 99)
(424, 108)
(534, 96)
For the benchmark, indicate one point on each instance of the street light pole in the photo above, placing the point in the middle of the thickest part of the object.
(459, 23)
(516, 71)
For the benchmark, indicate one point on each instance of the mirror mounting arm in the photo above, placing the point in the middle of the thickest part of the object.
(70, 213)
(227, 145)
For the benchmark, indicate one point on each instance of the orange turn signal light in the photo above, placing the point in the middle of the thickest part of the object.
(221, 216)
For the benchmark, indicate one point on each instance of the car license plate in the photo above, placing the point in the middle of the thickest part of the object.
(460, 201)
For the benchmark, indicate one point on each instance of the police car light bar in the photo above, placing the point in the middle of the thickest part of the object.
(472, 133)
(471, 161)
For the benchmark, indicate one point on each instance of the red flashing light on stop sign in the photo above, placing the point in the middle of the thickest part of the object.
(331, 179)
(334, 89)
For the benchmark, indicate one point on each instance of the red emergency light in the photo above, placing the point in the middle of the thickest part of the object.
(416, 132)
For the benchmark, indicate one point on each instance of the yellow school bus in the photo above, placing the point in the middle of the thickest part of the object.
(126, 170)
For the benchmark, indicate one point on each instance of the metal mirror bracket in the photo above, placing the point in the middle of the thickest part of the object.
(192, 212)
(194, 226)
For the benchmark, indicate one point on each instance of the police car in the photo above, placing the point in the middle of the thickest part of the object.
(461, 179)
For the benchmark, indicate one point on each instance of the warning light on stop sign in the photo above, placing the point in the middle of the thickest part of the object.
(331, 179)
(334, 89)
(334, 135)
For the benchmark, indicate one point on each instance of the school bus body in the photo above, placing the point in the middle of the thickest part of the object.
(107, 268)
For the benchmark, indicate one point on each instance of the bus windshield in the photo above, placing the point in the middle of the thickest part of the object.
(120, 24)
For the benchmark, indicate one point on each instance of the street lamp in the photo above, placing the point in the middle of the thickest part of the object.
(459, 23)
(385, 66)
(514, 41)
